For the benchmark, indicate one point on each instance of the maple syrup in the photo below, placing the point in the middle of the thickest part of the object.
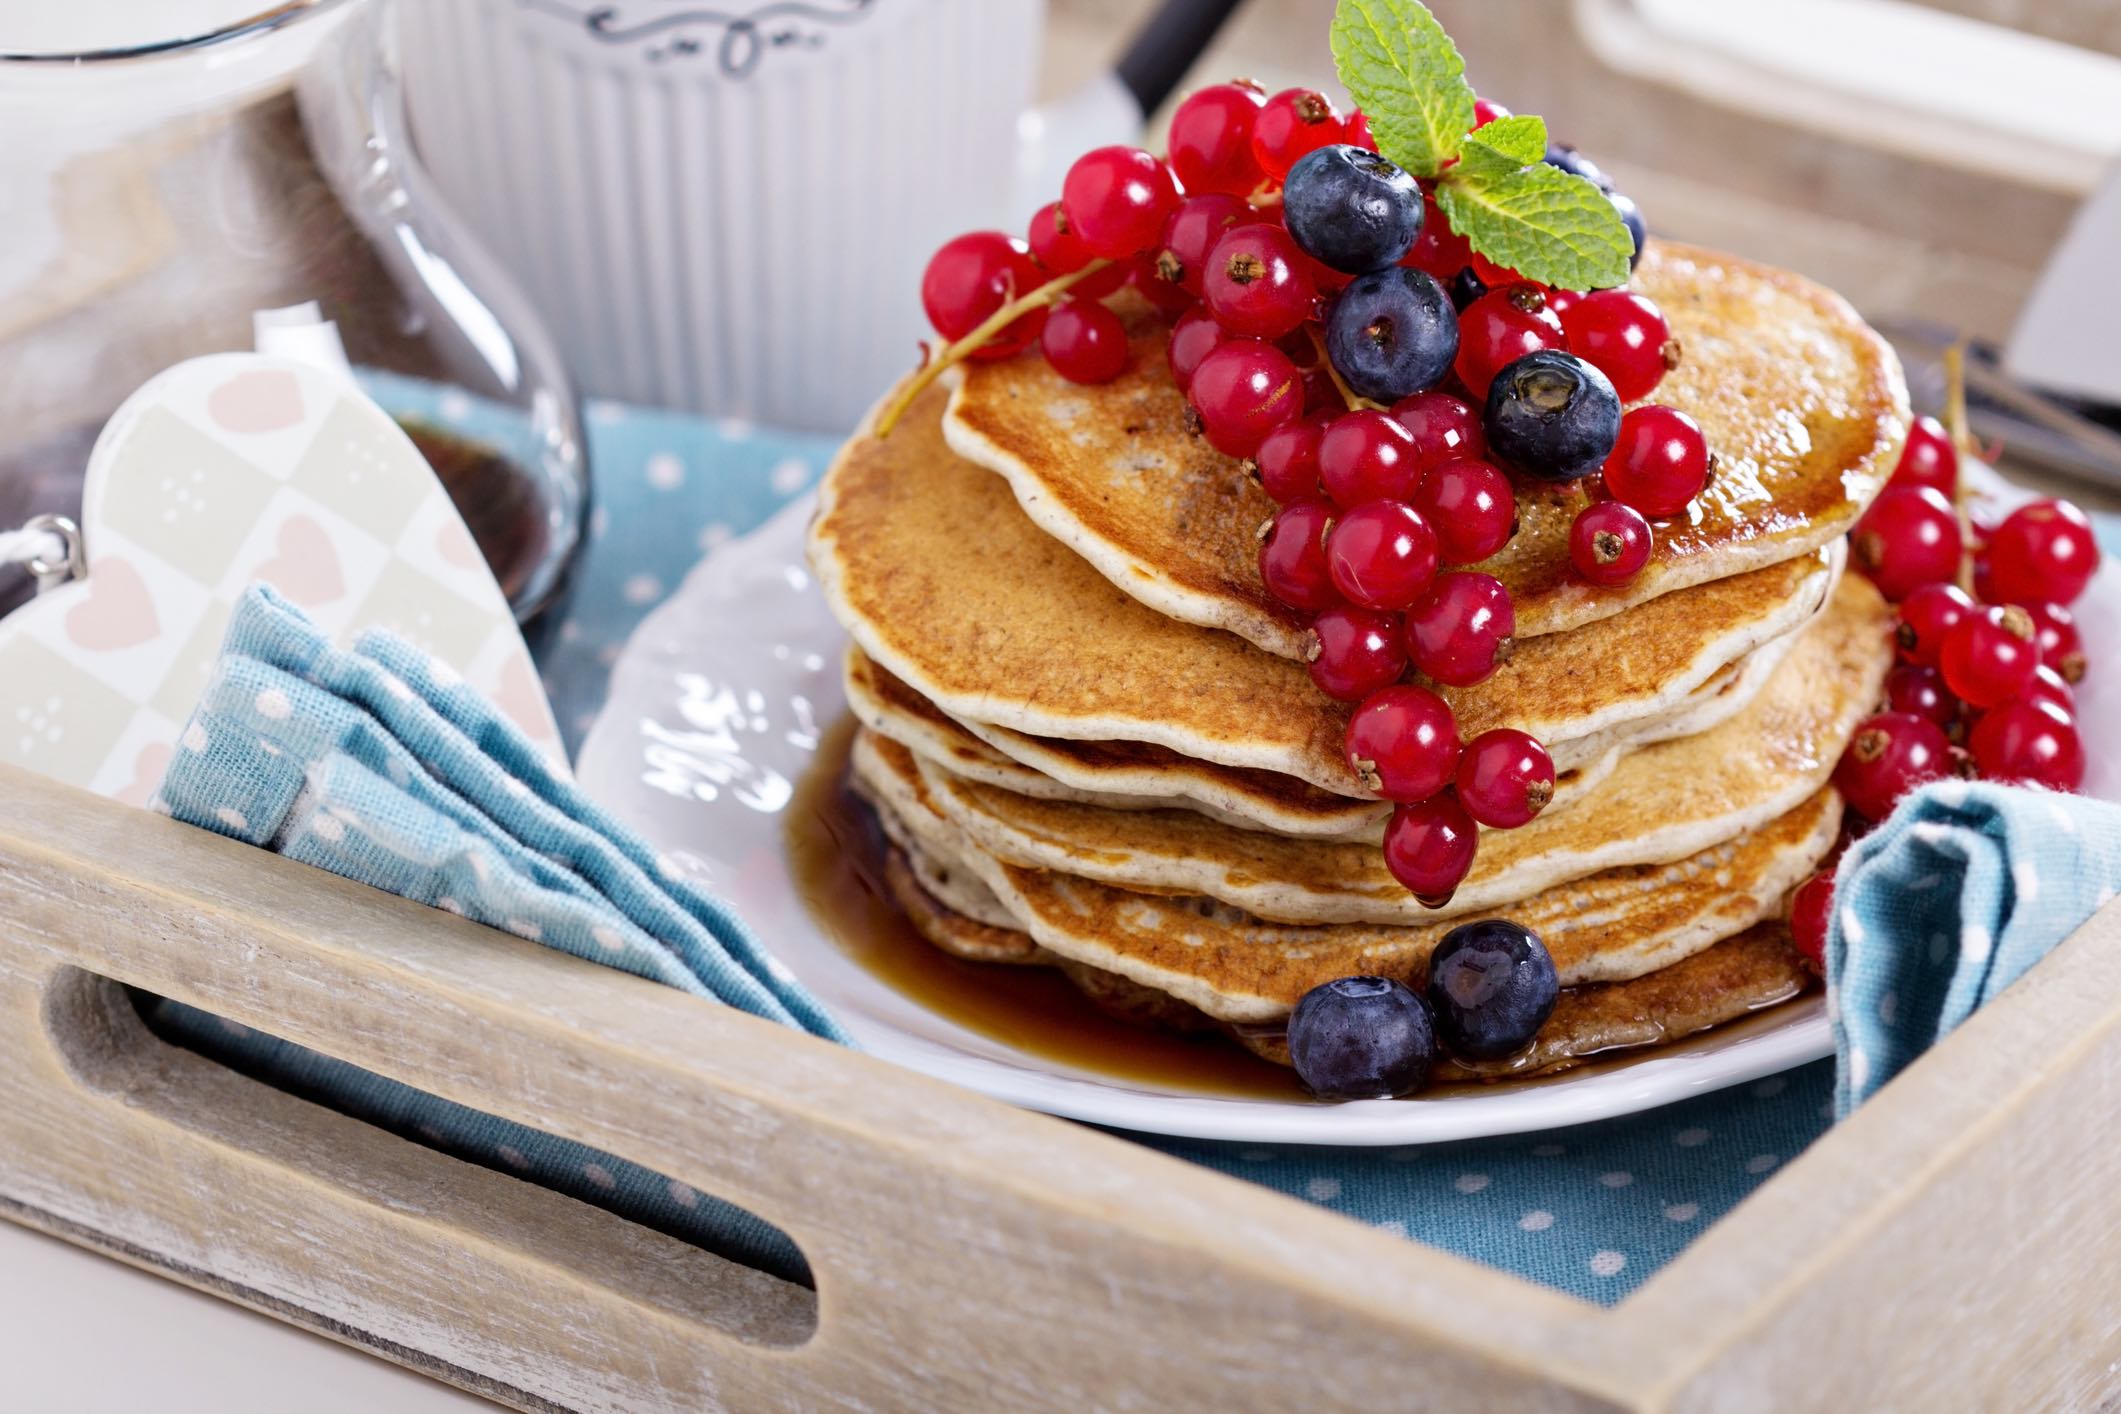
(836, 853)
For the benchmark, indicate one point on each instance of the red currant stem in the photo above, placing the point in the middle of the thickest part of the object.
(1347, 395)
(957, 352)
(1955, 425)
(1265, 195)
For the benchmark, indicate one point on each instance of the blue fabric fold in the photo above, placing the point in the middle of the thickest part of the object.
(381, 765)
(1947, 903)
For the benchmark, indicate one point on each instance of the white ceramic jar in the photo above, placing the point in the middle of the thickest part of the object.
(726, 208)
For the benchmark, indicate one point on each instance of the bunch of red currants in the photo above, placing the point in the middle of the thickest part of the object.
(1384, 381)
(1983, 685)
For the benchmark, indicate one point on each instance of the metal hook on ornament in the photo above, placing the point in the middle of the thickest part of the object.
(50, 547)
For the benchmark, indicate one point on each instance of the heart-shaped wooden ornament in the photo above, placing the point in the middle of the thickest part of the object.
(219, 473)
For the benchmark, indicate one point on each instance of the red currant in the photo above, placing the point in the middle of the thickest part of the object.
(1288, 461)
(1403, 742)
(1919, 690)
(1929, 459)
(1505, 778)
(2047, 686)
(1243, 389)
(970, 278)
(1501, 327)
(1211, 139)
(1381, 554)
(2061, 646)
(1926, 616)
(1195, 333)
(1170, 300)
(1290, 124)
(1366, 456)
(1811, 909)
(1561, 302)
(1889, 756)
(1989, 656)
(1623, 335)
(1085, 342)
(1439, 250)
(1443, 427)
(1192, 232)
(1609, 542)
(1460, 631)
(1253, 283)
(1470, 506)
(2043, 553)
(1660, 462)
(1292, 556)
(1495, 277)
(1485, 113)
(1354, 652)
(1908, 538)
(2029, 743)
(1117, 200)
(1058, 252)
(1429, 847)
(1355, 131)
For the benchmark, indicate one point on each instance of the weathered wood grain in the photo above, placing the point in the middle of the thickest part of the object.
(967, 1255)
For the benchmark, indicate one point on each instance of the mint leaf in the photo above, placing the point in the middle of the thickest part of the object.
(1507, 143)
(1546, 224)
(1408, 79)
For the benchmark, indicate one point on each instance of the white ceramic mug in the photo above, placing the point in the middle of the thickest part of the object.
(727, 209)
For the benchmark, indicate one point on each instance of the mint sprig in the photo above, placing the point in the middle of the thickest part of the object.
(1408, 78)
(1499, 193)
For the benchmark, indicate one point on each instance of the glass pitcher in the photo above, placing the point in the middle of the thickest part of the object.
(157, 194)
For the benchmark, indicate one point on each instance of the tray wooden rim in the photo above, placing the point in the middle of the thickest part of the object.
(1114, 1254)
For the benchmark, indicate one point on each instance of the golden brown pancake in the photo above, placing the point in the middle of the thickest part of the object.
(1665, 802)
(942, 580)
(1803, 405)
(1120, 775)
(1723, 982)
(1618, 924)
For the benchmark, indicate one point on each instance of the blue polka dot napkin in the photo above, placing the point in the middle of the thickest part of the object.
(1945, 905)
(381, 765)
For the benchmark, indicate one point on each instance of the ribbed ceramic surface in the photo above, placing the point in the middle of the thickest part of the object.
(719, 217)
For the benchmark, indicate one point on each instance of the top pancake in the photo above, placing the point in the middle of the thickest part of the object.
(1803, 405)
(941, 578)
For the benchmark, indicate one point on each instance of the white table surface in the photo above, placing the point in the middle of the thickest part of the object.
(82, 1334)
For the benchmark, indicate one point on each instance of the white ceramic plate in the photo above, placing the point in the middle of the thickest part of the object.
(719, 703)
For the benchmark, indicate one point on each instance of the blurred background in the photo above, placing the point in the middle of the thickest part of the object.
(511, 205)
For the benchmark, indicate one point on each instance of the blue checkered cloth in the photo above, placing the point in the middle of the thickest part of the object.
(381, 765)
(1593, 1210)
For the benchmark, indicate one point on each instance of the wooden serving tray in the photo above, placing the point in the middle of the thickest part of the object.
(1952, 1246)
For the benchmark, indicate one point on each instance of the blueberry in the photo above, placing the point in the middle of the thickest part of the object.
(1391, 333)
(1361, 1038)
(1466, 286)
(1632, 215)
(1491, 987)
(1350, 208)
(1568, 159)
(1552, 416)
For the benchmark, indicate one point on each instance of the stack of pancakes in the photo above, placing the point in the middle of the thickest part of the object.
(1092, 742)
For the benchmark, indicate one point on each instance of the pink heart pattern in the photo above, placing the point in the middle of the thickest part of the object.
(305, 565)
(118, 612)
(256, 401)
(148, 768)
